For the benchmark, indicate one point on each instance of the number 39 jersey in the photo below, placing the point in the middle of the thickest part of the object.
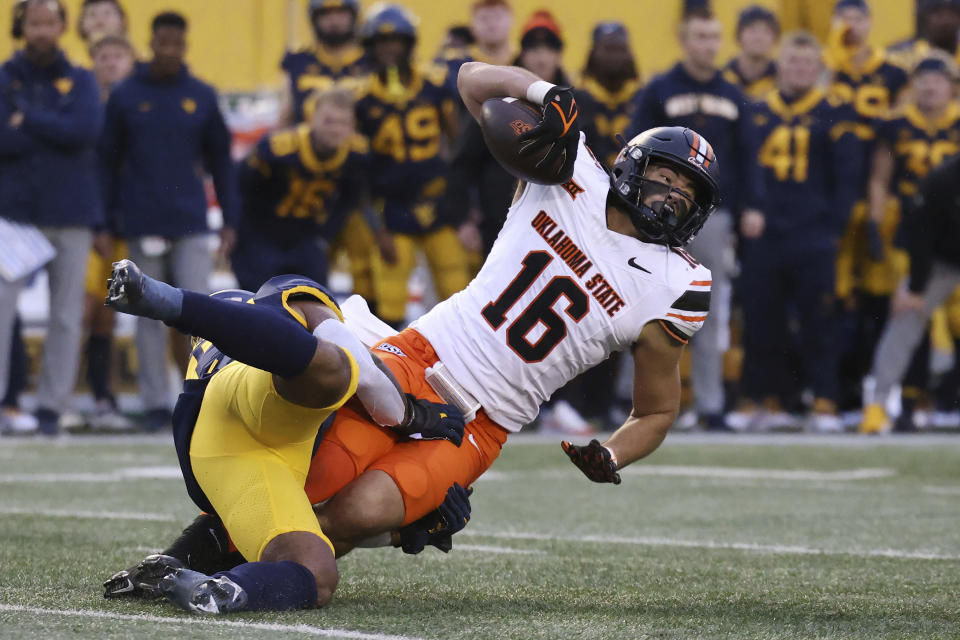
(557, 295)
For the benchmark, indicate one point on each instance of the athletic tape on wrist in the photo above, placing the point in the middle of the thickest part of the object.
(537, 92)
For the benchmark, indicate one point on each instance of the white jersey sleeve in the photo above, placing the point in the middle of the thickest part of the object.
(686, 315)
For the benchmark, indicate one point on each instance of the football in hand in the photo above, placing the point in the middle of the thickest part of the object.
(503, 121)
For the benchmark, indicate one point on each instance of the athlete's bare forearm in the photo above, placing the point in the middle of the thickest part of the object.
(639, 436)
(479, 82)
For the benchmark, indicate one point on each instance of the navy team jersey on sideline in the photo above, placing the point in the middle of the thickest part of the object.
(289, 193)
(871, 93)
(918, 145)
(605, 115)
(809, 159)
(718, 111)
(311, 69)
(404, 126)
(206, 360)
(757, 88)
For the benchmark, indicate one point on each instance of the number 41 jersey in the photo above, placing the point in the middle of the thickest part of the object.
(557, 295)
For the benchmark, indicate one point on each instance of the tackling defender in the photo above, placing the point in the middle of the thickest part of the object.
(580, 270)
(263, 381)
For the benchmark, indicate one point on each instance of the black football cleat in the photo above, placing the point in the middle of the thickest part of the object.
(129, 290)
(141, 580)
(199, 593)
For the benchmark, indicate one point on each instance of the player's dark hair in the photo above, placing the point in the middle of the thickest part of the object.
(461, 32)
(168, 19)
(112, 40)
(20, 14)
(88, 3)
(697, 13)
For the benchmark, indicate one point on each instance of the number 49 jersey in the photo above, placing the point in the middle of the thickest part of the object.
(557, 295)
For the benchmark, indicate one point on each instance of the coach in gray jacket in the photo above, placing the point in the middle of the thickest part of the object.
(932, 229)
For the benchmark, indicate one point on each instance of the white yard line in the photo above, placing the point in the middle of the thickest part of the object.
(525, 535)
(737, 473)
(943, 491)
(724, 473)
(491, 549)
(714, 544)
(209, 623)
(130, 473)
(95, 515)
(849, 440)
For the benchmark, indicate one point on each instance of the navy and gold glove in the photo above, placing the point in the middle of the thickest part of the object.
(437, 527)
(595, 460)
(559, 127)
(432, 421)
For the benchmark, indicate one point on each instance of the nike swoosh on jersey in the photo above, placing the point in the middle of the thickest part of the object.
(632, 263)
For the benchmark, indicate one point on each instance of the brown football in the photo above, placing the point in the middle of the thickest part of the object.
(503, 121)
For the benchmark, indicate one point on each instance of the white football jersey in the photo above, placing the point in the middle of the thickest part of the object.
(557, 295)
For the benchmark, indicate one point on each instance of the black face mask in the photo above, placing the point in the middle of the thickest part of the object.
(674, 208)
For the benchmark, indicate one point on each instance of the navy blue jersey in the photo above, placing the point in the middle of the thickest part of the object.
(404, 126)
(918, 145)
(158, 134)
(870, 92)
(311, 69)
(809, 159)
(757, 88)
(290, 194)
(606, 115)
(717, 110)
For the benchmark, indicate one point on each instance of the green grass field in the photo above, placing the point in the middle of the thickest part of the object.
(761, 537)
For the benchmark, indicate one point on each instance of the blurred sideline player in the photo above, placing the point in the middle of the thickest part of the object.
(863, 77)
(408, 113)
(910, 142)
(694, 94)
(336, 57)
(247, 422)
(597, 262)
(541, 48)
(938, 23)
(491, 23)
(809, 162)
(103, 25)
(753, 69)
(297, 186)
(609, 90)
(158, 201)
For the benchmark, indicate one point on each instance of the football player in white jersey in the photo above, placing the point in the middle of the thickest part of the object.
(580, 270)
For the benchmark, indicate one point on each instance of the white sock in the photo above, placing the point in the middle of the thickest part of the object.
(379, 396)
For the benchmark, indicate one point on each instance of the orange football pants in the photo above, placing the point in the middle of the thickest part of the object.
(423, 470)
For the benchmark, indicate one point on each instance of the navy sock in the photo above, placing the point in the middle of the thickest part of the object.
(257, 336)
(98, 366)
(274, 586)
